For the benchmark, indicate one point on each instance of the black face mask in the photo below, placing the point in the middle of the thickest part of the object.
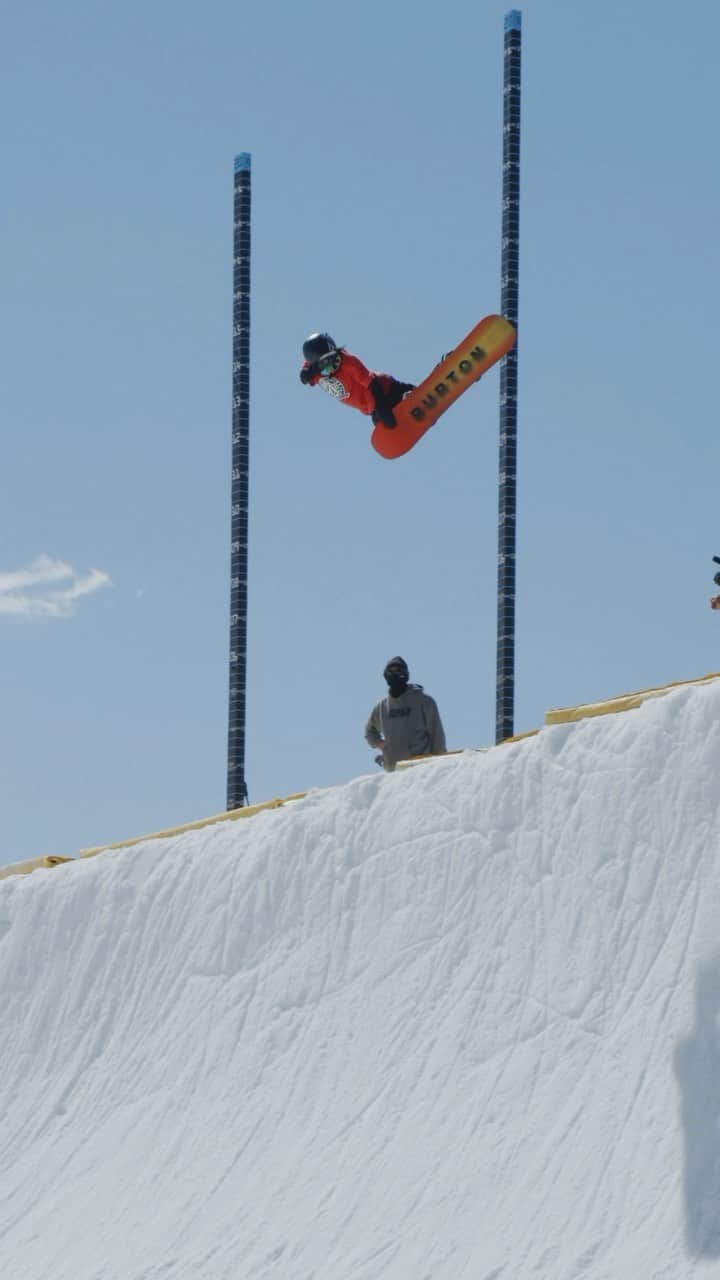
(397, 685)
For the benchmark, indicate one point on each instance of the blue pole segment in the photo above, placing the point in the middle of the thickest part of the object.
(513, 20)
(242, 162)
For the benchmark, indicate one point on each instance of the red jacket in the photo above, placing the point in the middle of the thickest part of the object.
(351, 383)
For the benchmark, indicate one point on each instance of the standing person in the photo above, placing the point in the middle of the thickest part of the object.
(407, 723)
(342, 375)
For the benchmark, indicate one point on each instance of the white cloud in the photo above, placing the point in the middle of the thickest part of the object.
(31, 592)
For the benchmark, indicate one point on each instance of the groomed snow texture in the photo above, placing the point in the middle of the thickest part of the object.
(457, 1023)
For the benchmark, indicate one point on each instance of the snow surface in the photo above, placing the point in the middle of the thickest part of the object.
(456, 1023)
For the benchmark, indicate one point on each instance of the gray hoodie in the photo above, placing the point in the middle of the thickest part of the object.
(410, 726)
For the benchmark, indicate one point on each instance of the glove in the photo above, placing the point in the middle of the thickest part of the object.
(307, 373)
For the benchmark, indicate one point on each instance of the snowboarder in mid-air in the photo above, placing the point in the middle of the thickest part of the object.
(344, 376)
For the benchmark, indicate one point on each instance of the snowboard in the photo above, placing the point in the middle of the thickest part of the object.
(420, 409)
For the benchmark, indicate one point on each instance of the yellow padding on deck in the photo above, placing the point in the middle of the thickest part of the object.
(230, 816)
(624, 702)
(53, 860)
(34, 864)
(518, 737)
(407, 764)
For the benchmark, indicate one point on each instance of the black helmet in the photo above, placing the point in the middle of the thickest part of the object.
(317, 345)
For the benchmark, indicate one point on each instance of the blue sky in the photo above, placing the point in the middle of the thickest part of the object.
(375, 134)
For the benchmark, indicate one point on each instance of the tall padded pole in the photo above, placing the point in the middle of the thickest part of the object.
(507, 495)
(237, 793)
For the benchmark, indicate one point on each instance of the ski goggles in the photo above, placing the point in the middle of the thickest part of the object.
(330, 363)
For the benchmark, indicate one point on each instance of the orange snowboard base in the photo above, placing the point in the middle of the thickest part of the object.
(420, 409)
